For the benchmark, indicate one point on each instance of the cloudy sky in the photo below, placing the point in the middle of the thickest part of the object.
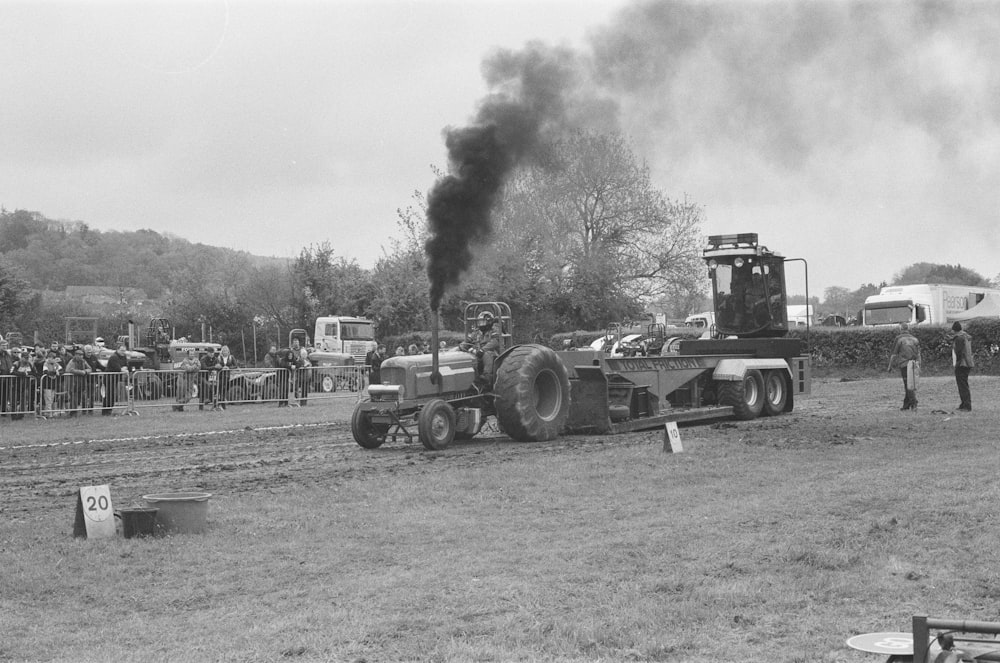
(863, 137)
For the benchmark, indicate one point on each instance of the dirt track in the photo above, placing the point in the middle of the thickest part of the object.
(43, 463)
(44, 470)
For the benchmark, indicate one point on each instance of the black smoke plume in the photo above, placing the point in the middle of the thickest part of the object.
(844, 112)
(527, 100)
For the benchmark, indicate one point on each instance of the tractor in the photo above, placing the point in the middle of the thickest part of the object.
(449, 395)
(749, 367)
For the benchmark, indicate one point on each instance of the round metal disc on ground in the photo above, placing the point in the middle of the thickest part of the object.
(900, 644)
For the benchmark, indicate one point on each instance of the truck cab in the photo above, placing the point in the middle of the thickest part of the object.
(353, 336)
(703, 320)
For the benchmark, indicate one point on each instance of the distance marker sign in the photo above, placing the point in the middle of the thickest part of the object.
(672, 438)
(95, 517)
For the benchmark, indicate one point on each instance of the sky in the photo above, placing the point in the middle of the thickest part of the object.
(863, 137)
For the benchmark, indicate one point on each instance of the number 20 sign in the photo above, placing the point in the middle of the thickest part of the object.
(94, 515)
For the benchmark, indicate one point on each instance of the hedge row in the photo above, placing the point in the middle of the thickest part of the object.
(834, 350)
(867, 349)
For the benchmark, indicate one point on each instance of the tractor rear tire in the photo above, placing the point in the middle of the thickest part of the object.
(745, 396)
(775, 393)
(532, 394)
(365, 432)
(436, 425)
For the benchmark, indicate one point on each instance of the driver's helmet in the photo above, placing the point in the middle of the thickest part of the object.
(484, 320)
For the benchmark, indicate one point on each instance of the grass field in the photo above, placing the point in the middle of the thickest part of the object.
(770, 540)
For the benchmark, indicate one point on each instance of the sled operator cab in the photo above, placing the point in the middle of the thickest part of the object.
(748, 287)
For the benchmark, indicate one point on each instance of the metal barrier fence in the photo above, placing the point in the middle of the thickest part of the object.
(107, 393)
(18, 395)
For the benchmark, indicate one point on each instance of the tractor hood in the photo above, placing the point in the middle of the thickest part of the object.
(327, 358)
(413, 372)
(135, 359)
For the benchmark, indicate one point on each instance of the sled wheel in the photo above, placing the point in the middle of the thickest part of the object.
(327, 384)
(532, 394)
(775, 393)
(365, 432)
(745, 396)
(436, 424)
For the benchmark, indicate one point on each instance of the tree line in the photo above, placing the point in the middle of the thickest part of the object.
(580, 238)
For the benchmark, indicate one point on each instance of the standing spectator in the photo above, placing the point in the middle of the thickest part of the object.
(6, 378)
(187, 379)
(413, 349)
(23, 396)
(905, 357)
(961, 352)
(59, 383)
(305, 375)
(271, 358)
(291, 361)
(52, 370)
(90, 387)
(114, 373)
(38, 359)
(374, 361)
(299, 356)
(77, 377)
(208, 391)
(399, 351)
(227, 362)
(64, 354)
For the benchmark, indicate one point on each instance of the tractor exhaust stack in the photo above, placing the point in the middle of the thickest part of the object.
(435, 372)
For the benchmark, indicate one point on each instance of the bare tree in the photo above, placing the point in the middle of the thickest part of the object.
(585, 231)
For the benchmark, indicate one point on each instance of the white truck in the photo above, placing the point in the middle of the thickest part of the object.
(700, 320)
(921, 303)
(799, 314)
(349, 335)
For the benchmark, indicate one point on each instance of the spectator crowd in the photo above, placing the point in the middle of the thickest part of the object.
(81, 379)
(70, 379)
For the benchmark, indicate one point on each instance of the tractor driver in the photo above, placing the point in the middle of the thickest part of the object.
(485, 343)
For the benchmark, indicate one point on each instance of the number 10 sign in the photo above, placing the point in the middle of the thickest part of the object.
(94, 516)
(672, 438)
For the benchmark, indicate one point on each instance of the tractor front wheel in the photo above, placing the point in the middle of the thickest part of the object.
(365, 432)
(436, 425)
